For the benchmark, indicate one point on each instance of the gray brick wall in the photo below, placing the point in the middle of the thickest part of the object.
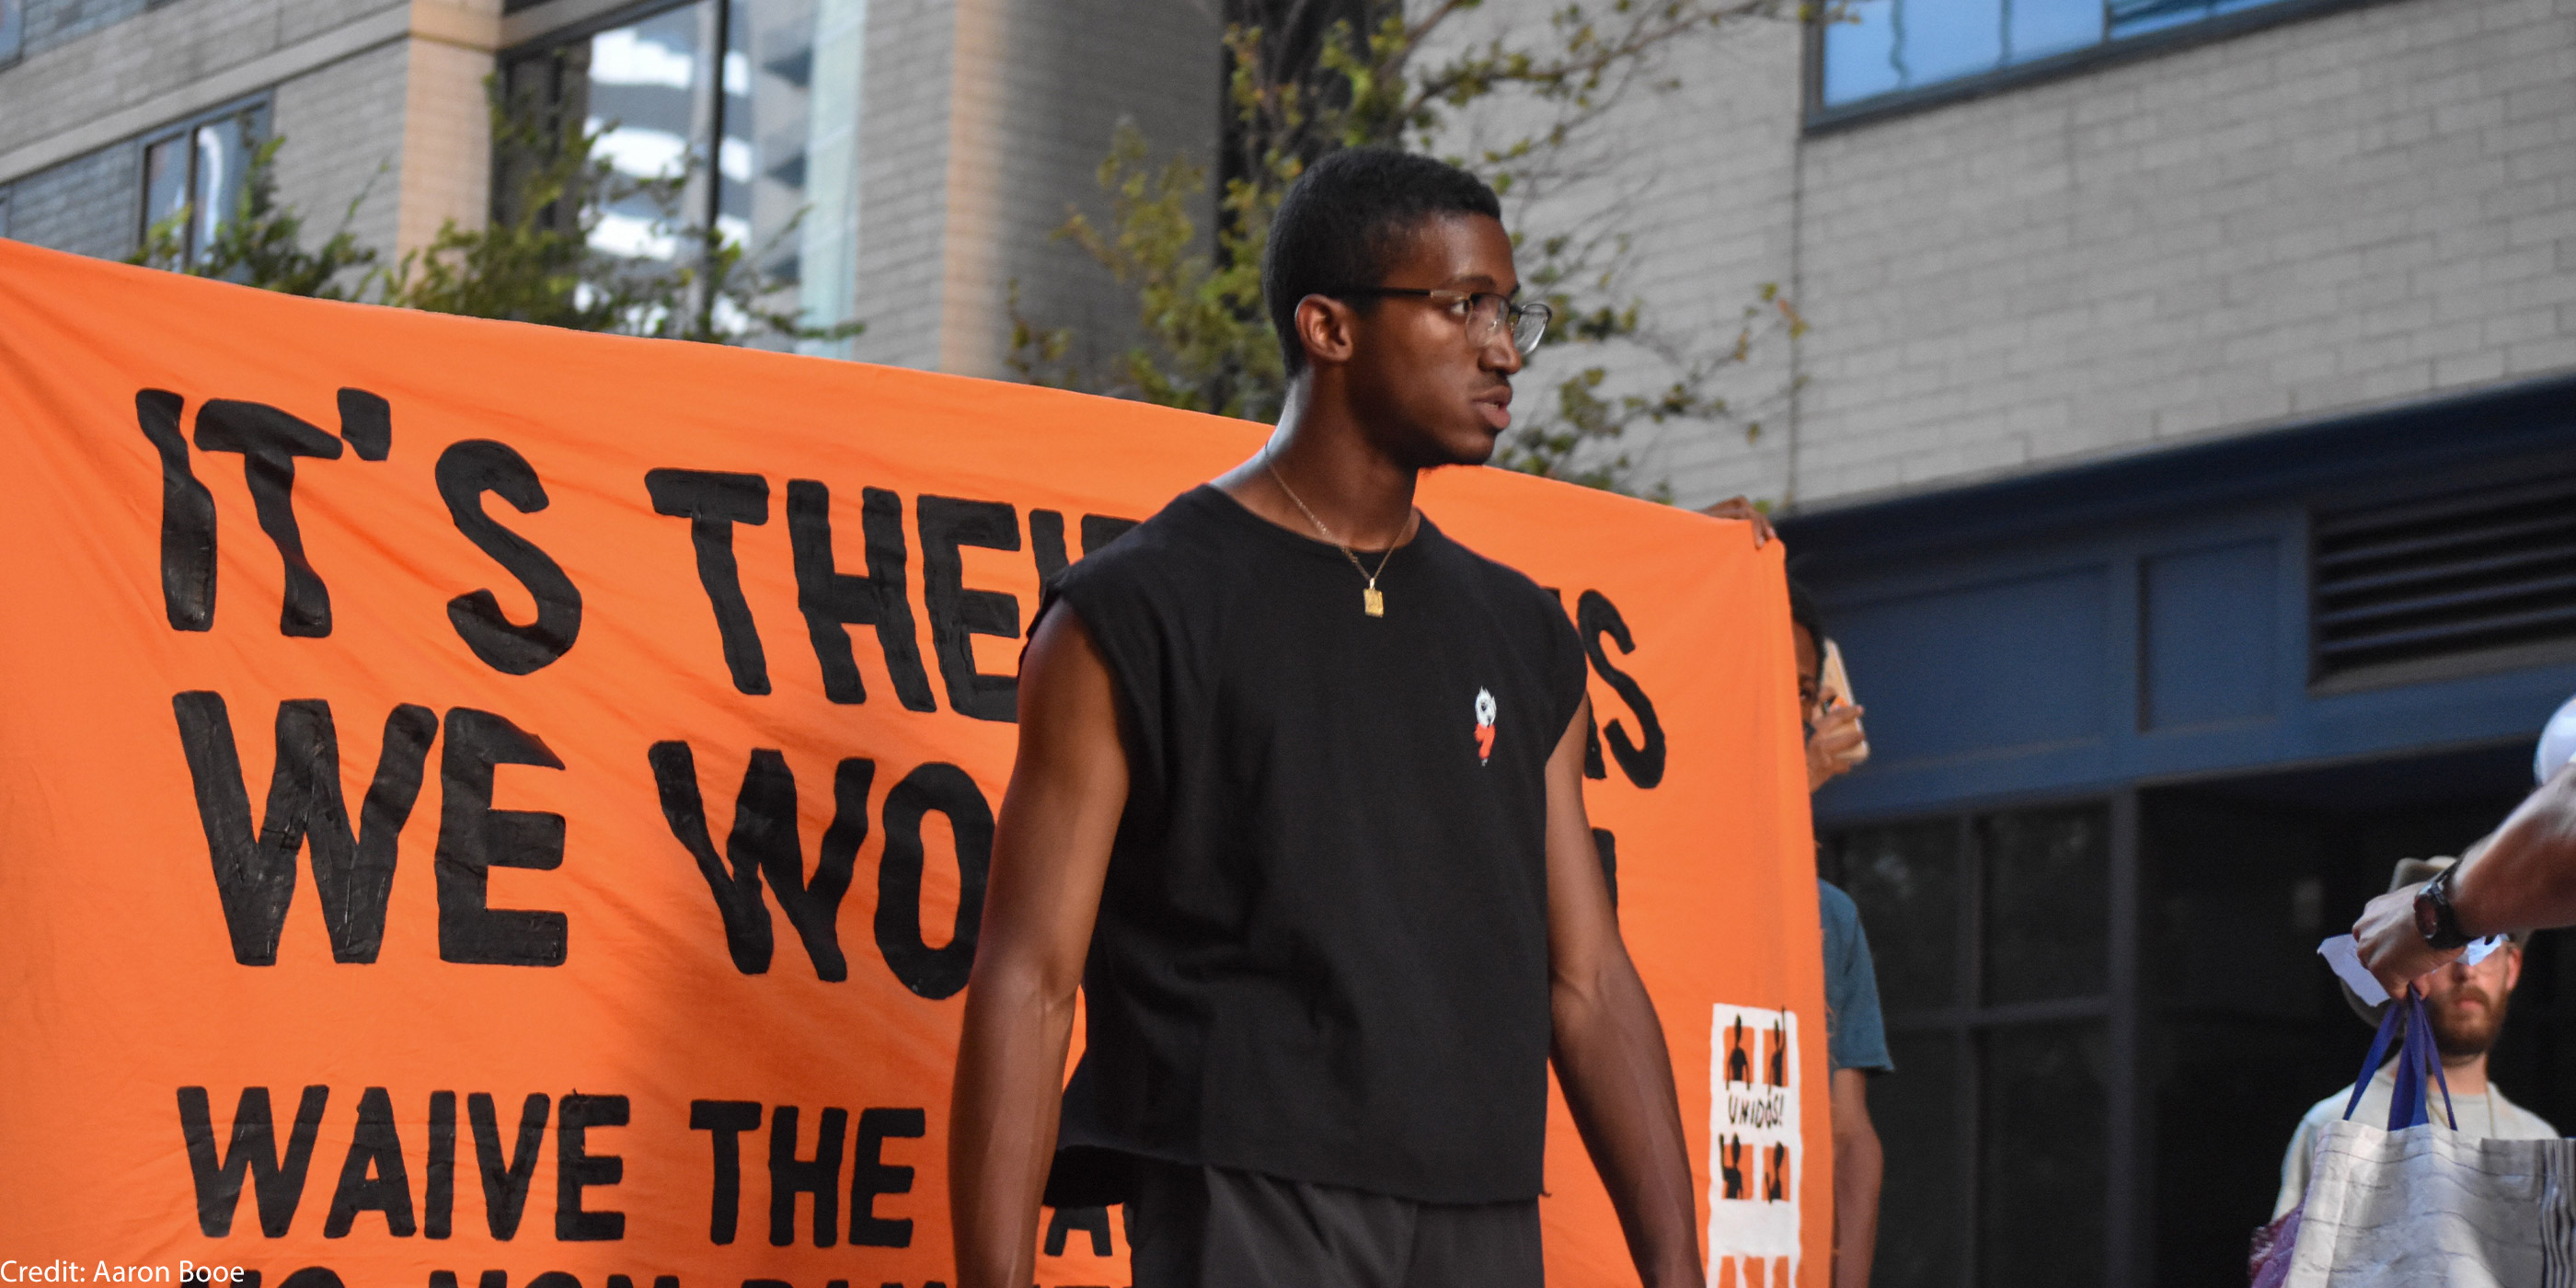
(981, 124)
(87, 205)
(2365, 208)
(1044, 100)
(161, 50)
(343, 131)
(56, 22)
(903, 180)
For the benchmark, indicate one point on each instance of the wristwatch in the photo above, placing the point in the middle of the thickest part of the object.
(2434, 919)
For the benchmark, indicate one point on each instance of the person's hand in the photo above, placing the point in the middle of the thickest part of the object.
(2392, 948)
(1737, 507)
(1831, 743)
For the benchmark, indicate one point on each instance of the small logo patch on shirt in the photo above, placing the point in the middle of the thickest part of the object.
(1484, 726)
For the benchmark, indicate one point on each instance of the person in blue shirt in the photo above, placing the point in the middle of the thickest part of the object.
(1855, 1036)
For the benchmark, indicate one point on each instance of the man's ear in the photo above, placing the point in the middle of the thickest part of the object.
(1324, 326)
(2512, 965)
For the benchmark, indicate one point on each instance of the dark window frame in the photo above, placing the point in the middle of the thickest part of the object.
(1967, 1019)
(259, 107)
(2113, 51)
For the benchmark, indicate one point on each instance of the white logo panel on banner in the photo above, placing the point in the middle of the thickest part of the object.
(1755, 1149)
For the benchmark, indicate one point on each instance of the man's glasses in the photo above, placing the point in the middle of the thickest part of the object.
(1483, 312)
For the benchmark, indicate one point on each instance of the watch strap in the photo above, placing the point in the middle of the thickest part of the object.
(2434, 917)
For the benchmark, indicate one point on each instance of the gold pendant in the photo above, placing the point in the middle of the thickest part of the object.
(1373, 601)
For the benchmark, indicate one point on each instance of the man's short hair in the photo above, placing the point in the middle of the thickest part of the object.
(1345, 221)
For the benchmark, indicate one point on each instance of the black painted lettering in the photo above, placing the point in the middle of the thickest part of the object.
(939, 972)
(764, 842)
(277, 1183)
(833, 601)
(1046, 545)
(1100, 529)
(372, 1178)
(819, 1176)
(1595, 617)
(577, 1169)
(725, 1121)
(438, 1181)
(187, 516)
(506, 1179)
(1091, 1220)
(713, 503)
(465, 472)
(255, 868)
(269, 441)
(474, 838)
(957, 614)
(871, 1176)
(367, 424)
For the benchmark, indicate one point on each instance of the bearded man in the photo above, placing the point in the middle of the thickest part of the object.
(2466, 1005)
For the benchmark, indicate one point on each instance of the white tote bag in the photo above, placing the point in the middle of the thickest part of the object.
(2421, 1205)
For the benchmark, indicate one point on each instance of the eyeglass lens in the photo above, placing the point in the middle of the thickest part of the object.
(1488, 314)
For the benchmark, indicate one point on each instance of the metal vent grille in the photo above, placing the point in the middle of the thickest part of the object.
(2463, 572)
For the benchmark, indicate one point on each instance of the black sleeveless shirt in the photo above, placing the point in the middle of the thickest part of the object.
(1322, 945)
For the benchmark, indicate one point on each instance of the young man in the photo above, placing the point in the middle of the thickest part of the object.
(1299, 805)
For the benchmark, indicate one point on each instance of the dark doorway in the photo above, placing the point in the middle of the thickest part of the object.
(2244, 1028)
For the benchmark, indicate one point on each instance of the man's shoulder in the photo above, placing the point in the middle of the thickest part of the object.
(2513, 1122)
(1502, 587)
(1834, 905)
(1839, 916)
(1174, 544)
(2327, 1110)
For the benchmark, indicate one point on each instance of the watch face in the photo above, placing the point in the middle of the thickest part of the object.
(2428, 922)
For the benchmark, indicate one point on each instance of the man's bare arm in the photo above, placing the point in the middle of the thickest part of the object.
(2526, 880)
(1858, 1166)
(1050, 855)
(1609, 1047)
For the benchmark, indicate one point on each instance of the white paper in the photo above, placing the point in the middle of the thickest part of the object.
(2343, 952)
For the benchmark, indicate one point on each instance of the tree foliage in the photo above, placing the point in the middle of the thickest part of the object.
(1529, 115)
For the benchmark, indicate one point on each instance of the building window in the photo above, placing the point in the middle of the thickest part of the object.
(13, 30)
(1882, 49)
(1991, 934)
(196, 180)
(705, 114)
(4, 212)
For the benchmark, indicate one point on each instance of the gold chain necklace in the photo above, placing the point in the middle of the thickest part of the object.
(1372, 600)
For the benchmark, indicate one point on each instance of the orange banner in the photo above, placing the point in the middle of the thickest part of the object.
(489, 807)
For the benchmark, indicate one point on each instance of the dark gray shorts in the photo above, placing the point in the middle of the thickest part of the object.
(1214, 1227)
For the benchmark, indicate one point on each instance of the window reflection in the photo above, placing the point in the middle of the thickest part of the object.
(1880, 47)
(13, 28)
(2047, 914)
(1990, 935)
(1916, 1111)
(1905, 881)
(195, 183)
(711, 131)
(2042, 1183)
